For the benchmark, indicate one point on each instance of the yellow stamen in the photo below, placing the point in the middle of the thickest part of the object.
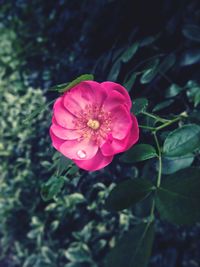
(94, 124)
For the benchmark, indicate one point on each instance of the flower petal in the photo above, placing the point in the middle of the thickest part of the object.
(121, 122)
(63, 133)
(80, 150)
(133, 135)
(84, 94)
(99, 161)
(63, 117)
(115, 146)
(56, 142)
(114, 99)
(112, 87)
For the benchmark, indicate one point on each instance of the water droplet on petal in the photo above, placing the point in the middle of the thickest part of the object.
(81, 154)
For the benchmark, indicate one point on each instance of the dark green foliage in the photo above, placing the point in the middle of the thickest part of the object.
(163, 105)
(52, 187)
(134, 248)
(182, 141)
(173, 91)
(178, 197)
(139, 105)
(128, 193)
(173, 164)
(130, 82)
(153, 51)
(139, 153)
(129, 53)
(191, 32)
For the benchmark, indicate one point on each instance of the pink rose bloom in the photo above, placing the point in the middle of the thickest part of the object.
(92, 122)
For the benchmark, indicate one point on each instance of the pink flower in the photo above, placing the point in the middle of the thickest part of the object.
(92, 122)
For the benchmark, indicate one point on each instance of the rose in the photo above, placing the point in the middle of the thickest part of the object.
(92, 122)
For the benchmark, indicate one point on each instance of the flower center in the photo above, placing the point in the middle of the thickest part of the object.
(93, 124)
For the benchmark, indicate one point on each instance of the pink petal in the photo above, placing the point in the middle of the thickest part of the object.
(111, 86)
(79, 150)
(113, 147)
(83, 95)
(116, 146)
(133, 136)
(63, 117)
(56, 142)
(114, 99)
(63, 133)
(97, 162)
(121, 122)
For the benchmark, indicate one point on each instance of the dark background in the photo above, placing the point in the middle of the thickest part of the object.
(44, 43)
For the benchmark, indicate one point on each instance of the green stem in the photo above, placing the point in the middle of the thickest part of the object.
(168, 123)
(154, 130)
(154, 117)
(160, 160)
(147, 127)
(152, 210)
(158, 182)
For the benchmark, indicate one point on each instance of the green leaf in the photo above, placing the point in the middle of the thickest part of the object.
(76, 198)
(128, 193)
(148, 40)
(67, 86)
(52, 187)
(74, 264)
(178, 198)
(130, 82)
(167, 63)
(163, 67)
(30, 260)
(149, 74)
(129, 53)
(173, 90)
(197, 99)
(194, 116)
(78, 252)
(73, 170)
(134, 248)
(193, 92)
(62, 164)
(182, 141)
(152, 62)
(190, 57)
(115, 70)
(138, 153)
(139, 105)
(174, 164)
(37, 112)
(192, 32)
(163, 105)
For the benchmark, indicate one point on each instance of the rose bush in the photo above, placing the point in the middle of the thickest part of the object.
(92, 122)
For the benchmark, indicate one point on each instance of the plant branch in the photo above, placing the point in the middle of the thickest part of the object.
(160, 160)
(147, 127)
(168, 123)
(154, 117)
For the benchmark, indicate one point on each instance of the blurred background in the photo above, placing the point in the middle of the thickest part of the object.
(152, 48)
